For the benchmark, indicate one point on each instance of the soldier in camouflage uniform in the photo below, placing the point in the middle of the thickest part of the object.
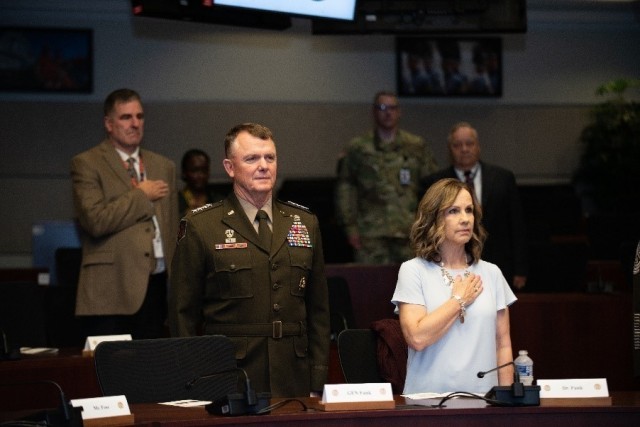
(378, 185)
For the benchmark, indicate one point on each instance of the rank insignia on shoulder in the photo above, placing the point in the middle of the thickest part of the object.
(296, 205)
(202, 208)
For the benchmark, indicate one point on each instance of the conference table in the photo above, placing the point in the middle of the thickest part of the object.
(76, 376)
(623, 411)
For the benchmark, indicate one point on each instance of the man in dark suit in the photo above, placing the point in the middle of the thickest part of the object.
(125, 200)
(496, 189)
(251, 268)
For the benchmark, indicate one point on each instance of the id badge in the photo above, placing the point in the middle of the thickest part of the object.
(157, 248)
(405, 176)
(158, 252)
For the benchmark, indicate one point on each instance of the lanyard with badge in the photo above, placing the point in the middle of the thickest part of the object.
(158, 251)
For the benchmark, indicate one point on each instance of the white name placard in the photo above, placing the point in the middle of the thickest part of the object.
(579, 387)
(102, 407)
(91, 342)
(365, 392)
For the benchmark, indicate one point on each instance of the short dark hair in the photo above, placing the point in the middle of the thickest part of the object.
(189, 154)
(119, 95)
(460, 125)
(383, 93)
(254, 129)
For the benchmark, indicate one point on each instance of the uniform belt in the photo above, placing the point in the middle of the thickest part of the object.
(276, 329)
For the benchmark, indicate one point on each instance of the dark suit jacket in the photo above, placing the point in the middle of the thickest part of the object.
(223, 281)
(502, 217)
(117, 229)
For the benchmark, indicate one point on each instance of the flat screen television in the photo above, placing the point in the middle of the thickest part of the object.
(204, 11)
(331, 9)
(430, 16)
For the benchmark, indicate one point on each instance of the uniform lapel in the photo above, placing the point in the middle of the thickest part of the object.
(112, 158)
(151, 168)
(282, 223)
(236, 219)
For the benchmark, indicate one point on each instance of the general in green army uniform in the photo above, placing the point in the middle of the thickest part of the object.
(269, 297)
(379, 186)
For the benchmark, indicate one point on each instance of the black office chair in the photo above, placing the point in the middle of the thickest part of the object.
(22, 320)
(357, 349)
(340, 308)
(68, 265)
(160, 370)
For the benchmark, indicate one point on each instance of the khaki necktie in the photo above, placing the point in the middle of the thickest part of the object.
(264, 232)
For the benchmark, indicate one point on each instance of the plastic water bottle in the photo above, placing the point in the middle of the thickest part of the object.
(524, 366)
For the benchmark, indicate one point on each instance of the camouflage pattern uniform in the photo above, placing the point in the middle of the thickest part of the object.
(377, 193)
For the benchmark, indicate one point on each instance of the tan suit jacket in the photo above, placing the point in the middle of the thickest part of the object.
(118, 230)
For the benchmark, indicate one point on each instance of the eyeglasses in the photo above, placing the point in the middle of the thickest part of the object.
(385, 107)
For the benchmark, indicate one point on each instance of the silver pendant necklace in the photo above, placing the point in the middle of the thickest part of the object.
(448, 280)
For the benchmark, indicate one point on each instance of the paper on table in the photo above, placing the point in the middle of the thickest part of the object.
(38, 350)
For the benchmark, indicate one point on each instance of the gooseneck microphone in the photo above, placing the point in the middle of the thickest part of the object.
(251, 394)
(481, 374)
(245, 403)
(517, 394)
(72, 417)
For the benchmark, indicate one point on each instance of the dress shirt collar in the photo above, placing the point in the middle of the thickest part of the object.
(251, 211)
(124, 156)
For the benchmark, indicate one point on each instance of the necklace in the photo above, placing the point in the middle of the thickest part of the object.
(447, 276)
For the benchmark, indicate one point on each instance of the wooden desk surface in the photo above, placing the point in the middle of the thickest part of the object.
(74, 373)
(624, 411)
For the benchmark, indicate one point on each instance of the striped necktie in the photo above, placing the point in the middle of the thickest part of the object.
(468, 178)
(131, 170)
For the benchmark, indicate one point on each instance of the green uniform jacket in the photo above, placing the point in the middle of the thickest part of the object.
(271, 302)
(378, 187)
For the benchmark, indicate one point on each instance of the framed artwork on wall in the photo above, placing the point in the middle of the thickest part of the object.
(449, 67)
(46, 60)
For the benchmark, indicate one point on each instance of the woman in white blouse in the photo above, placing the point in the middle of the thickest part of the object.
(453, 306)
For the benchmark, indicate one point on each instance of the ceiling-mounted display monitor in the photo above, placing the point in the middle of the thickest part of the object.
(204, 11)
(430, 16)
(331, 9)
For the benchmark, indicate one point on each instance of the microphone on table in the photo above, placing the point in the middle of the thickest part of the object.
(71, 416)
(517, 394)
(481, 374)
(247, 403)
(6, 350)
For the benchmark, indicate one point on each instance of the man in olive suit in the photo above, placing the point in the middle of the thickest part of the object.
(126, 204)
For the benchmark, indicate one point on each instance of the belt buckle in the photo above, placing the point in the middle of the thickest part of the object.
(277, 329)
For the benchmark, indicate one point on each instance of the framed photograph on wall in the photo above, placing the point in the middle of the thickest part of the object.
(46, 60)
(449, 67)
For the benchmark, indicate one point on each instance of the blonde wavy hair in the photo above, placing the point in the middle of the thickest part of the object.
(427, 231)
